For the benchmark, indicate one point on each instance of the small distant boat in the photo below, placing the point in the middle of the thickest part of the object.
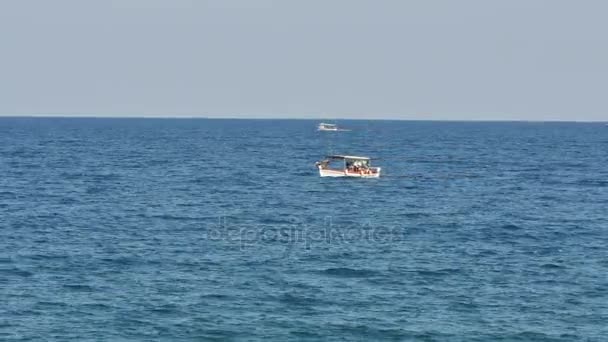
(350, 166)
(329, 127)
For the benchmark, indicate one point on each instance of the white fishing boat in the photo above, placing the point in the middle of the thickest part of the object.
(330, 127)
(348, 166)
(327, 127)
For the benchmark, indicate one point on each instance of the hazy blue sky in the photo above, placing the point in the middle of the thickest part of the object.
(411, 59)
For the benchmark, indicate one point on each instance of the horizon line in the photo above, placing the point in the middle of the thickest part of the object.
(93, 116)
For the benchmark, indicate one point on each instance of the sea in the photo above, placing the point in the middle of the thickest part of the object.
(125, 229)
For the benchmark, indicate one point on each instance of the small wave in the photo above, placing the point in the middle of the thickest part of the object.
(48, 256)
(438, 273)
(120, 260)
(72, 175)
(92, 190)
(103, 177)
(349, 272)
(415, 215)
(306, 334)
(552, 266)
(4, 260)
(78, 287)
(372, 333)
(548, 198)
(97, 306)
(169, 217)
(292, 299)
(279, 220)
(17, 272)
(531, 237)
(68, 200)
(511, 227)
(483, 253)
(202, 179)
(7, 194)
(51, 304)
(464, 305)
(215, 296)
(166, 309)
(532, 336)
(593, 182)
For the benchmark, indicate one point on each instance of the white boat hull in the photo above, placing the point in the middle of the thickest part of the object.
(333, 129)
(344, 173)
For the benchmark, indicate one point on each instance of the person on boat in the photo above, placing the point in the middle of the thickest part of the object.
(323, 163)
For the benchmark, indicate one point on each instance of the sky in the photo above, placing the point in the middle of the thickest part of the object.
(389, 59)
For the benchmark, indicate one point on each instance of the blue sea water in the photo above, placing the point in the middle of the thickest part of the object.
(196, 230)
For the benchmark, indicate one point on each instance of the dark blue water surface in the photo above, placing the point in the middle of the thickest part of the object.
(194, 230)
